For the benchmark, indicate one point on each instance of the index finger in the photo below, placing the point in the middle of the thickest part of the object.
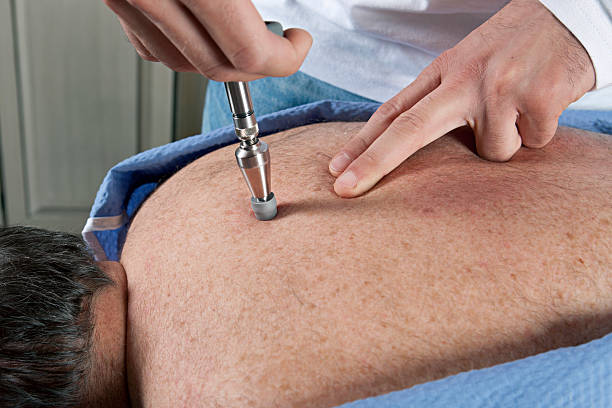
(239, 31)
(436, 114)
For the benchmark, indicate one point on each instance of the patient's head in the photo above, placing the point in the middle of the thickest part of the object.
(50, 353)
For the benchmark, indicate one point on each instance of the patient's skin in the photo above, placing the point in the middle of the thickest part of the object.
(451, 263)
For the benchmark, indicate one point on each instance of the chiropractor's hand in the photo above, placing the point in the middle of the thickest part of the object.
(224, 40)
(509, 80)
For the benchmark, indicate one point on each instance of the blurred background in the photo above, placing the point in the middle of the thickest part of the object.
(75, 99)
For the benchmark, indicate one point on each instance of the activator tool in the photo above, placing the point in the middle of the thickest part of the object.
(252, 155)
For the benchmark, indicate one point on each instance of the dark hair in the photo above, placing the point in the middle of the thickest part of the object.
(47, 282)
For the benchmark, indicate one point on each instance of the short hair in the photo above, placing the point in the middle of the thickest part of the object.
(47, 283)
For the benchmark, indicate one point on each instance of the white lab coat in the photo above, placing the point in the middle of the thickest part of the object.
(374, 48)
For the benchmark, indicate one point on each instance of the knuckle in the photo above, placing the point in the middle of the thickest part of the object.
(147, 57)
(409, 124)
(370, 158)
(505, 82)
(387, 110)
(495, 144)
(181, 67)
(177, 64)
(539, 134)
(497, 153)
(409, 120)
(442, 63)
(495, 93)
(248, 59)
(474, 69)
(218, 77)
(502, 88)
(538, 105)
(214, 72)
(359, 143)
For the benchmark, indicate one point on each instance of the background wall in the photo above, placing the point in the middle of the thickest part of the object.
(75, 99)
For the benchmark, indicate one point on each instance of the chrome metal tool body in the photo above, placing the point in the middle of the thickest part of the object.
(252, 155)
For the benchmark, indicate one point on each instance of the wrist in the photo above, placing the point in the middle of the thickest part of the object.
(591, 25)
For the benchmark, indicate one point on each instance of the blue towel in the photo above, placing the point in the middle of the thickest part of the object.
(570, 377)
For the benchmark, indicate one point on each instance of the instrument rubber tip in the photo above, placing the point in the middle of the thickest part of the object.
(264, 210)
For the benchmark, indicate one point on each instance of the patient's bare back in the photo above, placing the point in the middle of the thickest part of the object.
(451, 263)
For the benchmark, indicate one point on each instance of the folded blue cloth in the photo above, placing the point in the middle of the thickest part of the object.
(570, 377)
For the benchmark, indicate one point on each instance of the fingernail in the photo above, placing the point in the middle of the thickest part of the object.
(347, 179)
(340, 162)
